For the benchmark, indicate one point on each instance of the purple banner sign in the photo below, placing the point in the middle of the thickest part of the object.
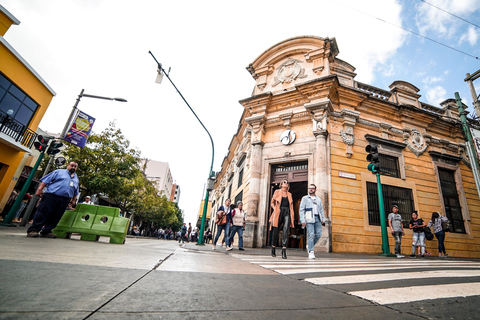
(80, 129)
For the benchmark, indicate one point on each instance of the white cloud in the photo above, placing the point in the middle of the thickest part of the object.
(432, 19)
(430, 80)
(436, 95)
(471, 36)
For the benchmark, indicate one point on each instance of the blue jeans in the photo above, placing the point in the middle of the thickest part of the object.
(239, 230)
(418, 240)
(441, 238)
(225, 227)
(314, 232)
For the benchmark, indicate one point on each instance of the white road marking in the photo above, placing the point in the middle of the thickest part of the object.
(419, 293)
(353, 268)
(393, 276)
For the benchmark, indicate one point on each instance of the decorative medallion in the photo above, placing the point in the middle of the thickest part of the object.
(415, 141)
(288, 137)
(289, 71)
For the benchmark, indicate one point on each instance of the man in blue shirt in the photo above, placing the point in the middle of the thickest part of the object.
(311, 216)
(61, 190)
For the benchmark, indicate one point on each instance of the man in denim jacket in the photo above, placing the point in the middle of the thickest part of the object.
(311, 215)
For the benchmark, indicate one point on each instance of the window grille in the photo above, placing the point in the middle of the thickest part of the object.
(389, 165)
(391, 195)
(451, 201)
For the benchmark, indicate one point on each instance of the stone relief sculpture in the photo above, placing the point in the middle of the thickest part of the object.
(289, 71)
(415, 141)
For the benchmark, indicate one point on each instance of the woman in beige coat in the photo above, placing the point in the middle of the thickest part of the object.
(282, 205)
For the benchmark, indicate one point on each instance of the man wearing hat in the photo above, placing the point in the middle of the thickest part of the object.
(396, 228)
(87, 200)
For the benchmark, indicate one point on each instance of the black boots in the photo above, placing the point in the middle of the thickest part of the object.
(284, 253)
(273, 252)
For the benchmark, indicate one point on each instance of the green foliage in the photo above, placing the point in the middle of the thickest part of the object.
(108, 166)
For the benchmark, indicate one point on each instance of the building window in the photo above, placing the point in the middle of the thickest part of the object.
(22, 107)
(451, 201)
(402, 197)
(239, 197)
(240, 178)
(230, 191)
(389, 165)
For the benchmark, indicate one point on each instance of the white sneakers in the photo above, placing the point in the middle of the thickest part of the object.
(400, 256)
(311, 255)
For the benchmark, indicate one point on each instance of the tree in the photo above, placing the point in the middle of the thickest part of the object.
(106, 164)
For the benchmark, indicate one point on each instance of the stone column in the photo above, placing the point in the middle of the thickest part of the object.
(319, 110)
(253, 235)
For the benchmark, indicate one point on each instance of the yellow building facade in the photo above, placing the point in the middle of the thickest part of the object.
(309, 121)
(24, 99)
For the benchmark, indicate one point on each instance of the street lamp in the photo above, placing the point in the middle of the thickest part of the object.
(75, 109)
(211, 174)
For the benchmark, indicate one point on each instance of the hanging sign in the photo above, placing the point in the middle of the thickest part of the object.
(80, 129)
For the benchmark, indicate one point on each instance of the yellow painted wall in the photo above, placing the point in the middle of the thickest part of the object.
(13, 68)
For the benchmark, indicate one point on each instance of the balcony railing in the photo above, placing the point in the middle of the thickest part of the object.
(17, 131)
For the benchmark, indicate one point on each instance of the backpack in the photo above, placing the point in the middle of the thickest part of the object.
(428, 233)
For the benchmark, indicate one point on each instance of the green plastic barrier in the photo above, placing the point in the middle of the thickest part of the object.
(93, 222)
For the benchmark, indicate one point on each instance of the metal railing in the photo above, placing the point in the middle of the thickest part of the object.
(17, 131)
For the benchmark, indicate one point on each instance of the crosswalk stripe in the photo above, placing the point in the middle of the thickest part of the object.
(324, 270)
(392, 277)
(419, 293)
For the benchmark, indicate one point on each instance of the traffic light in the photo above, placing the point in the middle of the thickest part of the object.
(54, 147)
(41, 143)
(374, 158)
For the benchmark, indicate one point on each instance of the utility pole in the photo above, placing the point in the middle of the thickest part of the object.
(472, 155)
(469, 79)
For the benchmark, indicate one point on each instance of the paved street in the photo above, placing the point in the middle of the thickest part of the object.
(157, 279)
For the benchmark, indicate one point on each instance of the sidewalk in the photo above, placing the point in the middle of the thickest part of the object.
(147, 278)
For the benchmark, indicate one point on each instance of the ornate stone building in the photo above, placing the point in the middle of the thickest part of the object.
(309, 121)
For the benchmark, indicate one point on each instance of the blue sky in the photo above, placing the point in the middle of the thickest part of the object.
(102, 46)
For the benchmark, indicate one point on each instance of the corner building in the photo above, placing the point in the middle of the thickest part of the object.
(309, 121)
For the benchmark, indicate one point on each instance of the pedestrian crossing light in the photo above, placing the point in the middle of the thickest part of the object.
(374, 158)
(41, 143)
(54, 147)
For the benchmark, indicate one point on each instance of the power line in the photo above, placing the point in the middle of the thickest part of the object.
(473, 24)
(413, 32)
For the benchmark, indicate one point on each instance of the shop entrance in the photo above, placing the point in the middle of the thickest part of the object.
(296, 174)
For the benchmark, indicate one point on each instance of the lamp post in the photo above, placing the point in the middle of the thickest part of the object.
(210, 181)
(71, 118)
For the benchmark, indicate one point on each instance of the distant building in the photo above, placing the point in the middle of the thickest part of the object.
(175, 195)
(24, 99)
(159, 173)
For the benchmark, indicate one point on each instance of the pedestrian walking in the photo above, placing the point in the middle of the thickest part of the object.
(417, 225)
(436, 222)
(282, 216)
(183, 231)
(238, 221)
(396, 228)
(311, 216)
(189, 231)
(222, 225)
(61, 191)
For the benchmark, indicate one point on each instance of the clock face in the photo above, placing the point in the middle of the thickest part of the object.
(287, 137)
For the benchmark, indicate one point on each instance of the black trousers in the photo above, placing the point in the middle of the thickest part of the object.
(283, 220)
(49, 212)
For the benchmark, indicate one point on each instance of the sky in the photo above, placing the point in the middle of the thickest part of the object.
(102, 46)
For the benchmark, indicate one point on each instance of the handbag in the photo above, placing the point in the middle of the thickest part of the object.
(221, 219)
(446, 226)
(428, 233)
